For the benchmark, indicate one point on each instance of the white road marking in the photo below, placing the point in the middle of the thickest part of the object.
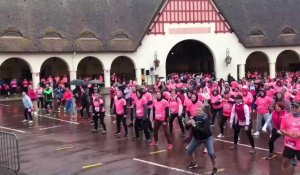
(76, 123)
(50, 127)
(11, 129)
(249, 146)
(4, 105)
(166, 167)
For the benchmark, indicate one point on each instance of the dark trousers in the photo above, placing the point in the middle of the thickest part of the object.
(157, 125)
(222, 123)
(237, 130)
(111, 103)
(40, 102)
(121, 118)
(214, 114)
(141, 123)
(26, 114)
(49, 106)
(274, 137)
(86, 107)
(148, 120)
(96, 117)
(172, 118)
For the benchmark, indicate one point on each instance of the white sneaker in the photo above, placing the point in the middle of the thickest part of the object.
(24, 121)
(220, 136)
(256, 133)
(30, 122)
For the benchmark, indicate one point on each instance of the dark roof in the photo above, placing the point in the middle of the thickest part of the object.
(263, 23)
(75, 25)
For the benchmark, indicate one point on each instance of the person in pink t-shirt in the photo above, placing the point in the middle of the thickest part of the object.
(263, 103)
(216, 106)
(290, 127)
(175, 106)
(227, 104)
(98, 113)
(121, 113)
(161, 115)
(147, 95)
(247, 97)
(140, 113)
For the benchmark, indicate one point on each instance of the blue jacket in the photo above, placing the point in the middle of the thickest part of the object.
(27, 102)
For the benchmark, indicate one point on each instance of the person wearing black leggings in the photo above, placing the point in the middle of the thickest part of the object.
(174, 106)
(120, 111)
(84, 104)
(98, 113)
(241, 115)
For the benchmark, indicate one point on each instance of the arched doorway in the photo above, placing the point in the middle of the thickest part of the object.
(257, 62)
(288, 60)
(54, 66)
(89, 67)
(190, 56)
(123, 68)
(15, 68)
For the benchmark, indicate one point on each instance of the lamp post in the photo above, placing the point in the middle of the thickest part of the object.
(228, 57)
(156, 61)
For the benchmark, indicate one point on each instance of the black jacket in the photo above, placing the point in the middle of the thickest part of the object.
(202, 129)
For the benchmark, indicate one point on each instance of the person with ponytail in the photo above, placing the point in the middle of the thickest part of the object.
(161, 115)
(140, 113)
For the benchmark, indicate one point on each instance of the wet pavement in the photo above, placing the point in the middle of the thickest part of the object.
(61, 146)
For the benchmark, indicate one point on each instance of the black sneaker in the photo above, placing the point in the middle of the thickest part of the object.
(214, 171)
(136, 138)
(192, 165)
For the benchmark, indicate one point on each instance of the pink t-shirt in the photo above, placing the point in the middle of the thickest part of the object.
(174, 105)
(291, 124)
(227, 107)
(192, 108)
(97, 104)
(214, 99)
(140, 103)
(263, 104)
(160, 109)
(148, 97)
(119, 104)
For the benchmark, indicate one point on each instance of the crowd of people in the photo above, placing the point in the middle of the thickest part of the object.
(196, 101)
